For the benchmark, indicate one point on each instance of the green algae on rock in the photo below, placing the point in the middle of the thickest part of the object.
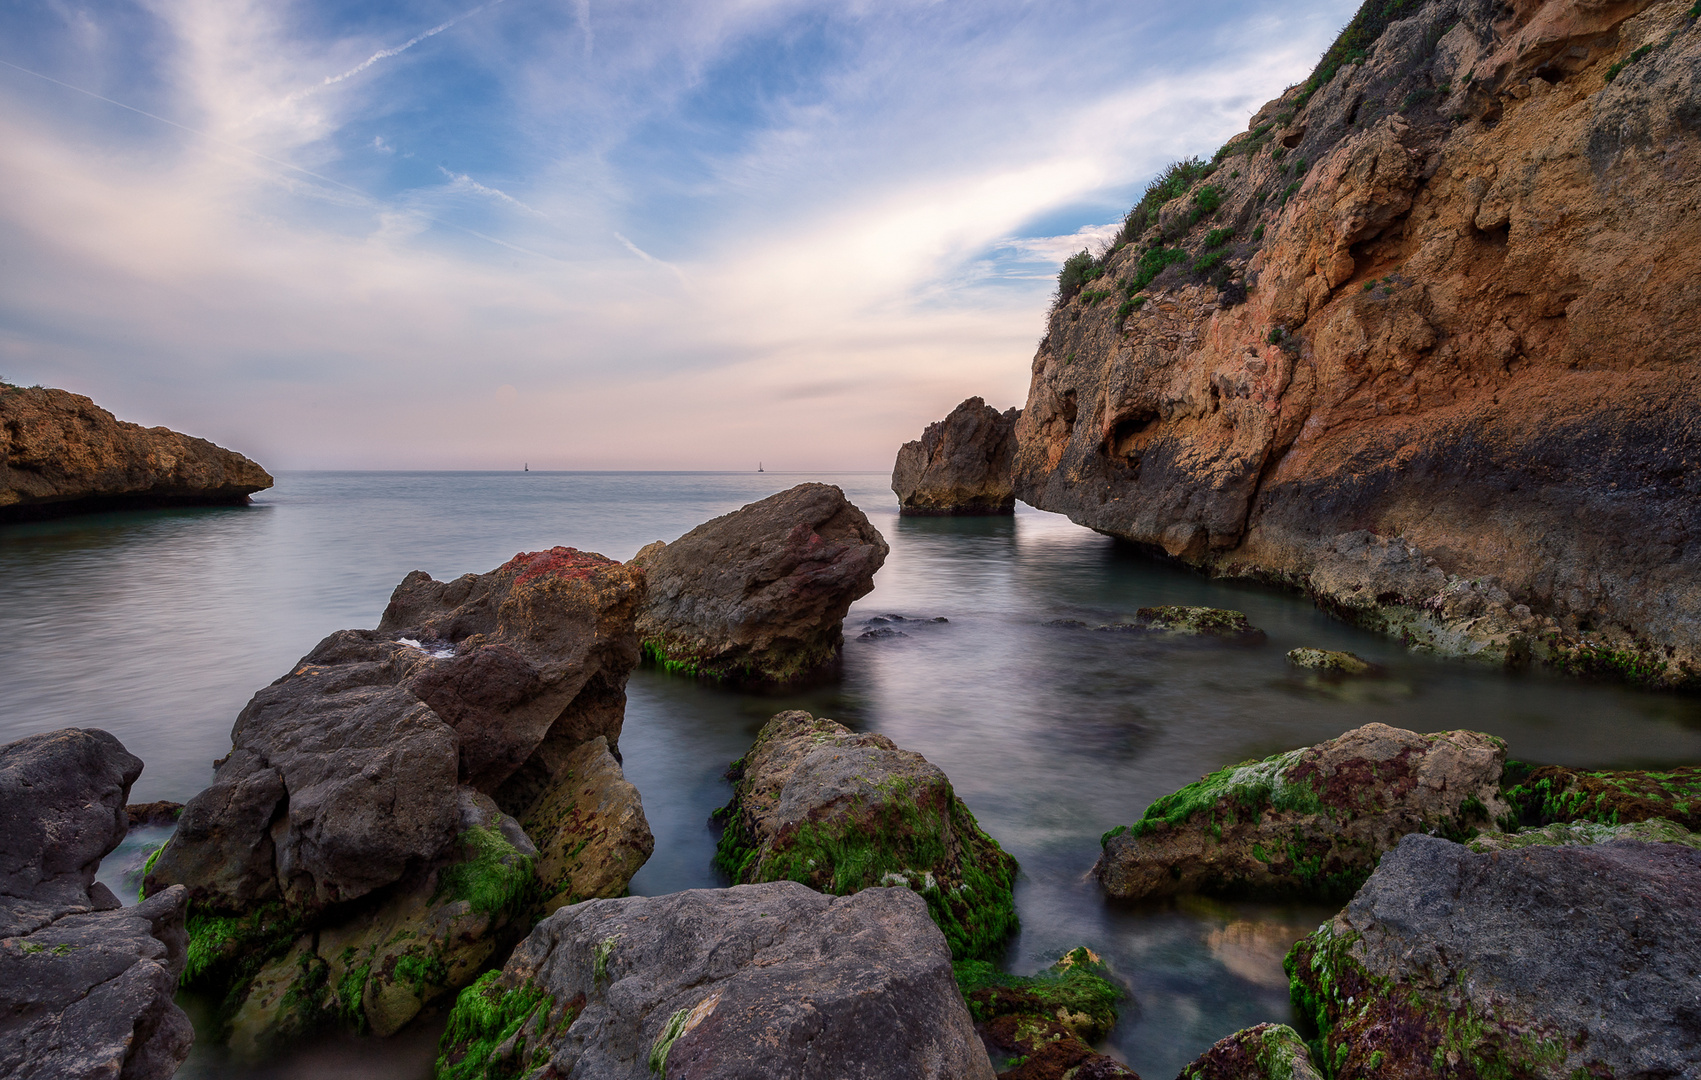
(1198, 622)
(1048, 1020)
(842, 811)
(1330, 662)
(1546, 962)
(1309, 822)
(1575, 833)
(1263, 1052)
(1552, 793)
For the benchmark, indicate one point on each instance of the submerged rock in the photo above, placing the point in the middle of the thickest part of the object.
(1308, 822)
(1264, 1052)
(1047, 1020)
(960, 465)
(1546, 962)
(760, 594)
(1330, 662)
(86, 985)
(357, 855)
(758, 980)
(1188, 622)
(60, 453)
(842, 811)
(1551, 793)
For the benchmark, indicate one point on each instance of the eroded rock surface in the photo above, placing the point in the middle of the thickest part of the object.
(842, 811)
(1421, 342)
(86, 985)
(757, 980)
(590, 830)
(1546, 962)
(960, 465)
(1309, 822)
(60, 453)
(358, 855)
(760, 594)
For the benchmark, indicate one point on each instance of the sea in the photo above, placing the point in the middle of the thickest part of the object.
(158, 626)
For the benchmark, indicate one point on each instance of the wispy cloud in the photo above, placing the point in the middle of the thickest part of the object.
(463, 182)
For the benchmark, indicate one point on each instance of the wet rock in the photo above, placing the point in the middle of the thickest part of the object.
(758, 980)
(1545, 962)
(1308, 822)
(1049, 1019)
(1551, 793)
(153, 814)
(1187, 622)
(960, 465)
(760, 594)
(590, 830)
(842, 811)
(60, 453)
(879, 632)
(86, 985)
(1264, 1052)
(1330, 662)
(357, 855)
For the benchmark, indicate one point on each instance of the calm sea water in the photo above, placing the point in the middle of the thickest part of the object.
(158, 626)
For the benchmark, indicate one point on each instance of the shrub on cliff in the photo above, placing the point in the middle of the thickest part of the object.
(1077, 271)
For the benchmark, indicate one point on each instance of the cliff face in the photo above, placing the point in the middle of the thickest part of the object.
(61, 453)
(1444, 373)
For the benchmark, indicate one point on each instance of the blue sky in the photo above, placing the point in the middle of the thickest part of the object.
(582, 235)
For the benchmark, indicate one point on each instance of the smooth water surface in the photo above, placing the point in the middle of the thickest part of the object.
(159, 625)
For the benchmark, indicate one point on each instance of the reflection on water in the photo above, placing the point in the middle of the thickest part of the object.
(159, 625)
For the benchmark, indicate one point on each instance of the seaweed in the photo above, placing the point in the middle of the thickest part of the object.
(486, 1015)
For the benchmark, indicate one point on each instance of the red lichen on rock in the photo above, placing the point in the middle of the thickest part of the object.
(568, 564)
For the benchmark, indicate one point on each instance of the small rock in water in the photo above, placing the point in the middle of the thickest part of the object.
(1199, 621)
(1330, 662)
(142, 815)
(881, 632)
(1065, 624)
(1050, 1019)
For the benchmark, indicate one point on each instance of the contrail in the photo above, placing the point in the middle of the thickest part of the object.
(274, 161)
(647, 257)
(385, 54)
(495, 193)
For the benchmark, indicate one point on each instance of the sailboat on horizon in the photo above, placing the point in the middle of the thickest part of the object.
(759, 467)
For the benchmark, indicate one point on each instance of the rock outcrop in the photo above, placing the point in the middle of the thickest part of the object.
(1046, 1022)
(1422, 341)
(358, 854)
(60, 453)
(1330, 662)
(842, 811)
(760, 594)
(86, 985)
(1309, 822)
(1543, 962)
(1264, 1052)
(1553, 793)
(960, 465)
(758, 980)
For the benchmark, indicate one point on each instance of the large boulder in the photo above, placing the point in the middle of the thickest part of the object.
(760, 594)
(760, 980)
(1546, 962)
(60, 453)
(86, 985)
(1308, 822)
(960, 465)
(842, 811)
(358, 855)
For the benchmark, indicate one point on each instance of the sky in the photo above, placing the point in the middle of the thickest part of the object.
(582, 235)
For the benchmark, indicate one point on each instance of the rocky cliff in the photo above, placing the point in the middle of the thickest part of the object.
(60, 453)
(1423, 341)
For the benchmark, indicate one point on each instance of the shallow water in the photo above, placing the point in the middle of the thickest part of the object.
(159, 625)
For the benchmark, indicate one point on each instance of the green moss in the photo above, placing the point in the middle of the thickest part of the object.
(148, 868)
(421, 972)
(1073, 991)
(1550, 794)
(225, 951)
(351, 990)
(671, 1031)
(604, 952)
(496, 880)
(777, 668)
(484, 1017)
(1595, 660)
(1249, 789)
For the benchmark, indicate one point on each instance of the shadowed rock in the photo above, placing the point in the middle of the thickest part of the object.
(1545, 962)
(85, 985)
(1264, 1052)
(60, 453)
(1309, 822)
(841, 811)
(590, 830)
(760, 594)
(960, 465)
(758, 980)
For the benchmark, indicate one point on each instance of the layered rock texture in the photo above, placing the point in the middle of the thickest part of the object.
(60, 453)
(1542, 962)
(760, 594)
(1046, 1022)
(1309, 822)
(360, 851)
(758, 980)
(842, 811)
(960, 465)
(86, 985)
(1422, 341)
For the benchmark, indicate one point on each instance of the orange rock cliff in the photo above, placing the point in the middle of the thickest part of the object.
(1423, 341)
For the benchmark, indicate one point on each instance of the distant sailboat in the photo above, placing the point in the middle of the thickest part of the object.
(527, 468)
(759, 467)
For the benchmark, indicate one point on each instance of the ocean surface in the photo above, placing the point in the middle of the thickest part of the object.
(158, 626)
